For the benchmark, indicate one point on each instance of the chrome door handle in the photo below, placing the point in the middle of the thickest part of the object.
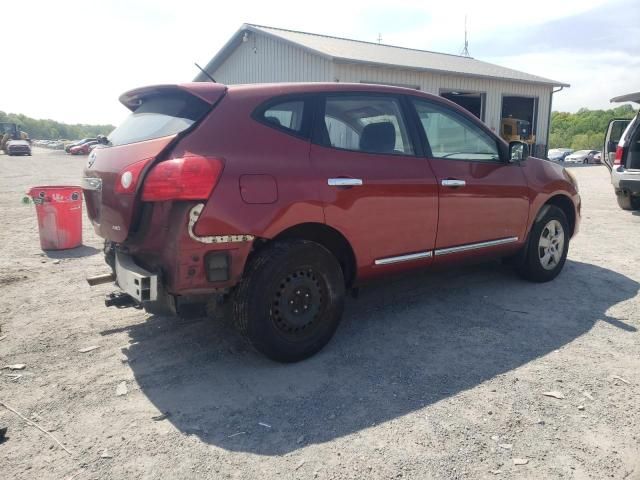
(453, 183)
(344, 182)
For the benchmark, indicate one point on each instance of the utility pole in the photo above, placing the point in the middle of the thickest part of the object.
(379, 38)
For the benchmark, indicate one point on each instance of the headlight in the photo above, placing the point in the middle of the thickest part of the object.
(572, 179)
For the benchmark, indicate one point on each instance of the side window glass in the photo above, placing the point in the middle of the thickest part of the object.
(371, 124)
(450, 136)
(285, 115)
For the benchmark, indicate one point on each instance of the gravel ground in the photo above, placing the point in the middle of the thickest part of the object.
(436, 375)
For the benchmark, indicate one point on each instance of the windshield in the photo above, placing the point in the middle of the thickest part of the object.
(160, 116)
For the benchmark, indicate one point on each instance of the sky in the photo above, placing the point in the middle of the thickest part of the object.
(70, 60)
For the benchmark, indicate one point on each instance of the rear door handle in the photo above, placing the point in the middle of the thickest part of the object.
(452, 182)
(344, 182)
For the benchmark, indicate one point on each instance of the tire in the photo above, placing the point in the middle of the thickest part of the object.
(542, 263)
(280, 283)
(627, 202)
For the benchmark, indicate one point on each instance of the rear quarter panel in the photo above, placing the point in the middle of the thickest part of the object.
(250, 148)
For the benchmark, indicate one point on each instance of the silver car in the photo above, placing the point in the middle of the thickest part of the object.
(621, 155)
(581, 156)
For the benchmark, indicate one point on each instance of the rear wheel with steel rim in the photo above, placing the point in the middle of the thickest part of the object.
(290, 299)
(547, 247)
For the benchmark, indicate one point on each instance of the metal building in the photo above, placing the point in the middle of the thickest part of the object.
(259, 54)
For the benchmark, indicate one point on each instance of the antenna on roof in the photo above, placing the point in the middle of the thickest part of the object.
(465, 50)
(205, 72)
(379, 38)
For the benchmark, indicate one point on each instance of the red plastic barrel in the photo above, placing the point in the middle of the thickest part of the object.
(59, 211)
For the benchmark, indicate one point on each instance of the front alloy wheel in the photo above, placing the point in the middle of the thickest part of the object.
(546, 251)
(551, 245)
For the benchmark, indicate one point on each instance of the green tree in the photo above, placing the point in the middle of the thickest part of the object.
(585, 129)
(52, 130)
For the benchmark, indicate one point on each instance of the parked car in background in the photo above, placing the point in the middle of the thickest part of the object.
(340, 184)
(18, 147)
(83, 148)
(559, 154)
(77, 143)
(621, 155)
(581, 156)
(597, 157)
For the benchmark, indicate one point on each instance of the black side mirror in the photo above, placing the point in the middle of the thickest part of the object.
(102, 140)
(518, 151)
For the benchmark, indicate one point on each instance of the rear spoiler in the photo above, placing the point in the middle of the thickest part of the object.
(208, 92)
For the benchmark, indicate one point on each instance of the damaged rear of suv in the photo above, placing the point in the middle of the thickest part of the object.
(138, 189)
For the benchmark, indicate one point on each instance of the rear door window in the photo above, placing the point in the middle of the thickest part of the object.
(160, 116)
(372, 124)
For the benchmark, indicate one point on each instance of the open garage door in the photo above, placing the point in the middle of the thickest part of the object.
(519, 119)
(471, 101)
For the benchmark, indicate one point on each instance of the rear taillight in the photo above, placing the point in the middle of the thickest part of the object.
(619, 154)
(187, 178)
(128, 178)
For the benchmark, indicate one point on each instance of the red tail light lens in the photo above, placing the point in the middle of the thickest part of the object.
(187, 178)
(619, 154)
(128, 178)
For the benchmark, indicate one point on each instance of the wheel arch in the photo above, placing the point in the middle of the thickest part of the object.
(565, 204)
(328, 237)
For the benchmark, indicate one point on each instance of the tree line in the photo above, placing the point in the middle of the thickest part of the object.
(585, 129)
(582, 130)
(52, 130)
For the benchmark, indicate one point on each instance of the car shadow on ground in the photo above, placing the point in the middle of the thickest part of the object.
(401, 346)
(78, 252)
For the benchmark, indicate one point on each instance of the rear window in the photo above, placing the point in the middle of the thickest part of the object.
(160, 116)
(287, 115)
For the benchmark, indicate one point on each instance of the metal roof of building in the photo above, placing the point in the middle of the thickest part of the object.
(356, 51)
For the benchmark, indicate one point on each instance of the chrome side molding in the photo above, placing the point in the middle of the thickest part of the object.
(474, 246)
(445, 251)
(403, 258)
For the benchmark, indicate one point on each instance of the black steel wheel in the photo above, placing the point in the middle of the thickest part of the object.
(290, 300)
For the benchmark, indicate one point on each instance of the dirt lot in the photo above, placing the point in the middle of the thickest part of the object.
(430, 376)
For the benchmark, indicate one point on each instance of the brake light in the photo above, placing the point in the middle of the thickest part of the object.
(619, 154)
(128, 178)
(187, 178)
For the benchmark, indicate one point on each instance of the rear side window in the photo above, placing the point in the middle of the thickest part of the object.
(286, 115)
(372, 124)
(160, 116)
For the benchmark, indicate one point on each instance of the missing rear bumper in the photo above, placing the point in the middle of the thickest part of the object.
(140, 284)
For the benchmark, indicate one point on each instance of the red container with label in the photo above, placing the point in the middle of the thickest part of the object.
(59, 211)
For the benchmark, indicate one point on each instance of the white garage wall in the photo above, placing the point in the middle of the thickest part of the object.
(264, 59)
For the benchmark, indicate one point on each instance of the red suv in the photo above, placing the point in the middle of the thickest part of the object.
(281, 198)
